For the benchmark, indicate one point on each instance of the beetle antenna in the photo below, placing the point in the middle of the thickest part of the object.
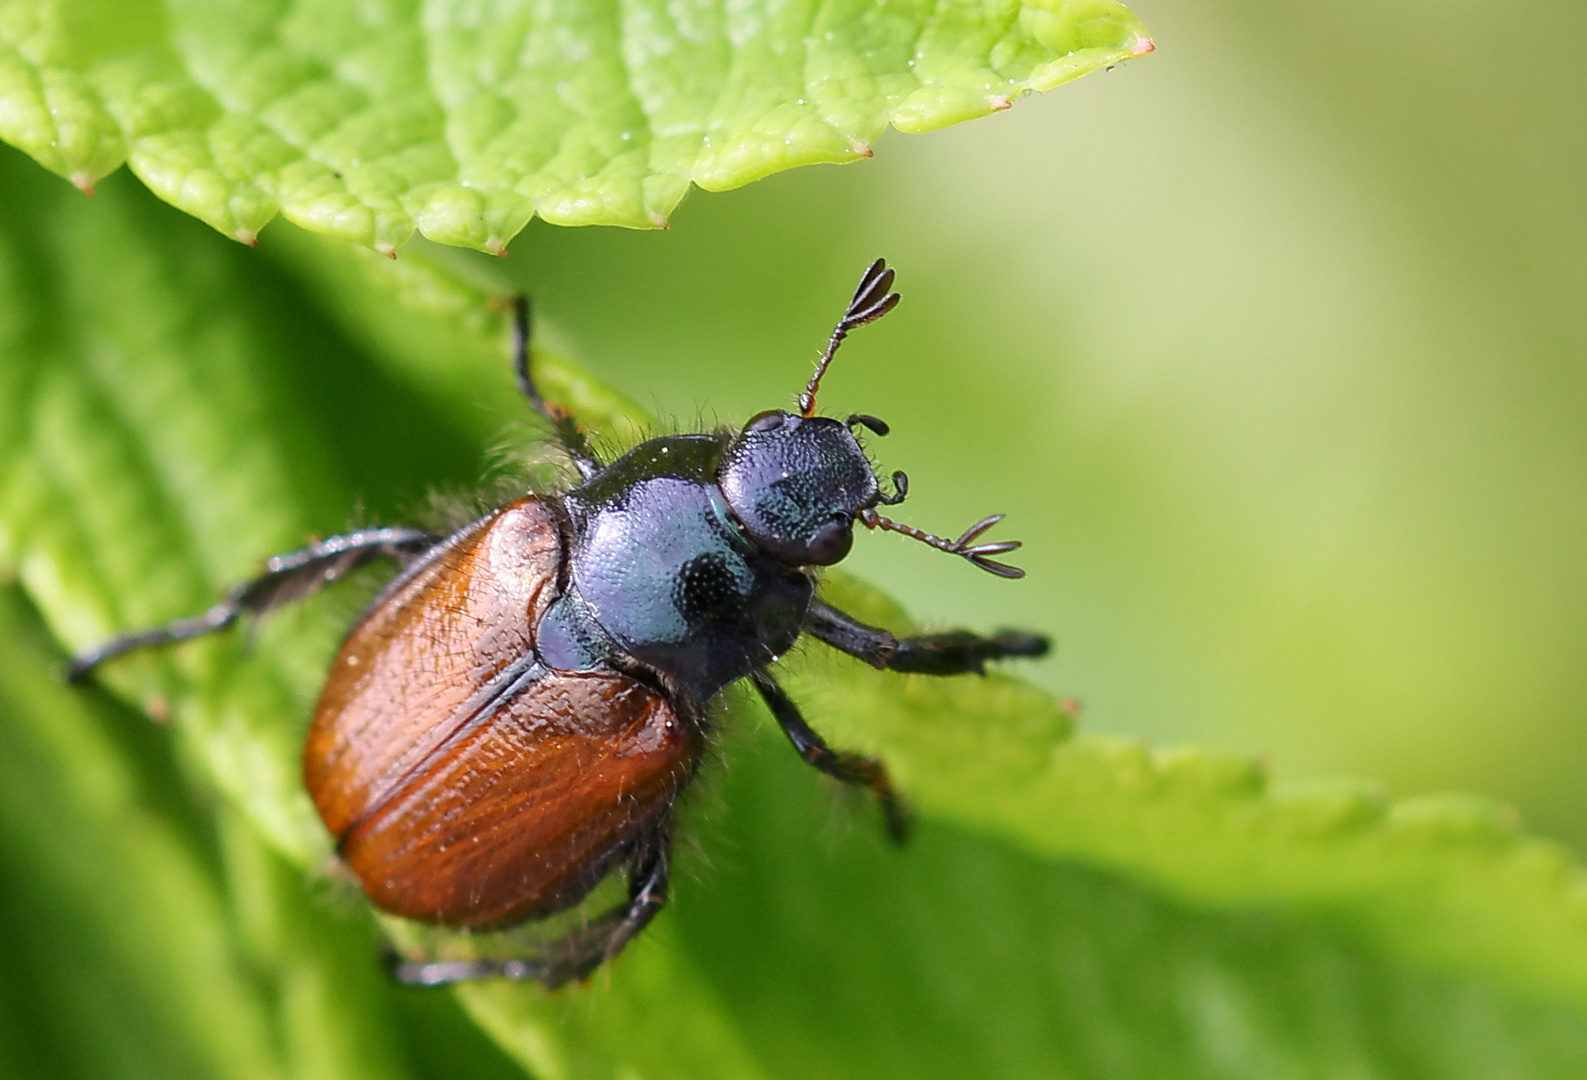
(979, 554)
(870, 302)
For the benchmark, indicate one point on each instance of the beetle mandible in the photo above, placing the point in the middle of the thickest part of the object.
(513, 716)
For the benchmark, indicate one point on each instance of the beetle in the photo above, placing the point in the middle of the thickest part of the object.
(513, 716)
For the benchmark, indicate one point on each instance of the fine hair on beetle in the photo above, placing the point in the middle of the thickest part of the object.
(507, 726)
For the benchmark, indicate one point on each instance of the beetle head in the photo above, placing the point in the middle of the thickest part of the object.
(795, 484)
(798, 483)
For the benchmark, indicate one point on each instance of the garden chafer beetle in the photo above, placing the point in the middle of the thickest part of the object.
(514, 715)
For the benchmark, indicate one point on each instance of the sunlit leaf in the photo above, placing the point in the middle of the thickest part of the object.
(462, 120)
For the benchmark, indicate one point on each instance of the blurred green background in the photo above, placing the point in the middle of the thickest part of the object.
(1293, 315)
(1268, 344)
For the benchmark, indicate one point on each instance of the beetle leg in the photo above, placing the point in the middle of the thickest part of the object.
(566, 429)
(578, 954)
(956, 652)
(286, 577)
(584, 950)
(849, 768)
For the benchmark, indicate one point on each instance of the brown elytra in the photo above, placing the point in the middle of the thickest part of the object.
(462, 789)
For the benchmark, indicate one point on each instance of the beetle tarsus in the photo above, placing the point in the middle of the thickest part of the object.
(850, 768)
(287, 577)
(578, 955)
(217, 617)
(447, 972)
(954, 652)
(574, 957)
(563, 425)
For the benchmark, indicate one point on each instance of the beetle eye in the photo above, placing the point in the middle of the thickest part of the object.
(831, 542)
(770, 420)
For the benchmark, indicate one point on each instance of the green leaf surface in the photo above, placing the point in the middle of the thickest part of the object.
(175, 408)
(148, 934)
(119, 926)
(462, 120)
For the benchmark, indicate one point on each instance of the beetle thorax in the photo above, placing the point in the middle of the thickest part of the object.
(661, 569)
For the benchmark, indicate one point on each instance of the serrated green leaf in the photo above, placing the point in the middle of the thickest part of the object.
(462, 120)
(1073, 906)
(1415, 876)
